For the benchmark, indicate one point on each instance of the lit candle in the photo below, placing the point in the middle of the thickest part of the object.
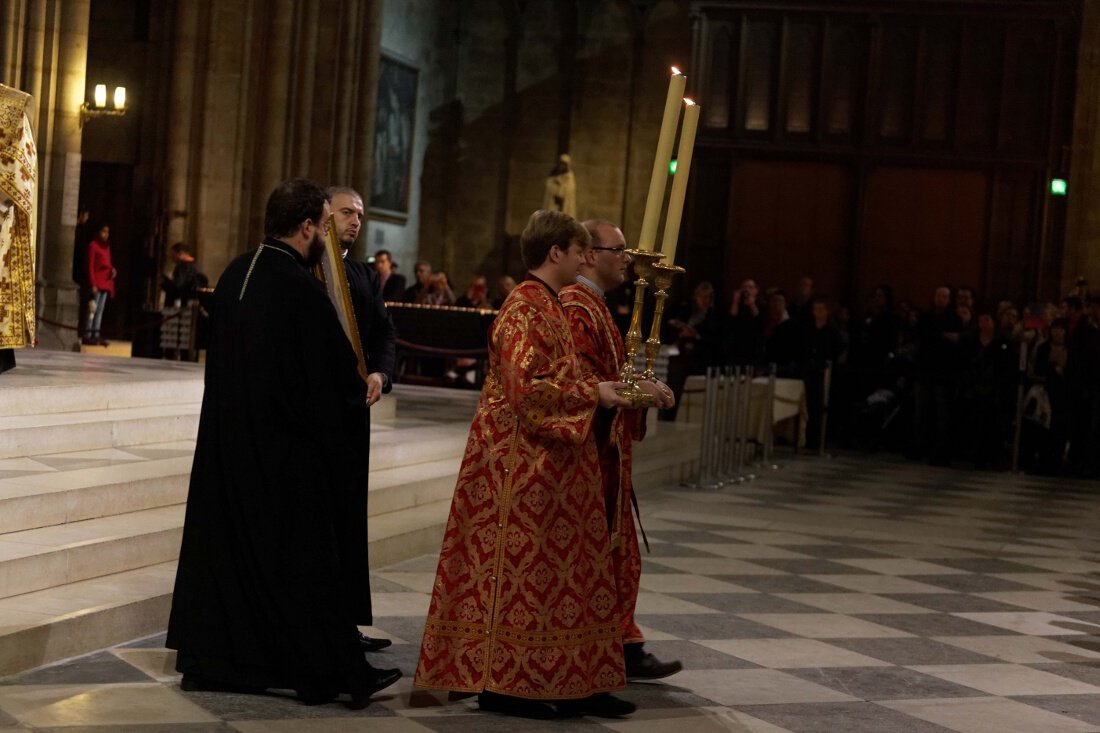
(648, 237)
(680, 182)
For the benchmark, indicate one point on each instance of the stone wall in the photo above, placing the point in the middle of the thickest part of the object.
(535, 80)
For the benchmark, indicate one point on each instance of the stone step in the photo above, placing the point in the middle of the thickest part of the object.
(43, 626)
(407, 533)
(396, 447)
(48, 625)
(45, 382)
(56, 497)
(37, 559)
(30, 435)
(63, 398)
(404, 487)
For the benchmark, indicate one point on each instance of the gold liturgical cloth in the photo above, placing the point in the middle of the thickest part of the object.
(18, 193)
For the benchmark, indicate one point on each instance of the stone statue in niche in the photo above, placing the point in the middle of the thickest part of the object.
(561, 187)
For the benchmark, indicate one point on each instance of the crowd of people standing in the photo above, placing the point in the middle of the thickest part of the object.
(940, 383)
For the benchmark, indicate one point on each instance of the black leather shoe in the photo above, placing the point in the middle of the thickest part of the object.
(600, 705)
(383, 678)
(651, 668)
(373, 645)
(518, 707)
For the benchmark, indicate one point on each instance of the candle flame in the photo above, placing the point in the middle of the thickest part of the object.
(689, 102)
(676, 72)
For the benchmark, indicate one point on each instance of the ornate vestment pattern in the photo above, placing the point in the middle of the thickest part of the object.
(602, 354)
(524, 601)
(18, 186)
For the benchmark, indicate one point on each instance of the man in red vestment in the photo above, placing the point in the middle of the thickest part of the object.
(603, 354)
(525, 608)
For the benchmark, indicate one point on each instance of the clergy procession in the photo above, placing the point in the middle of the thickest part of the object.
(532, 608)
(423, 366)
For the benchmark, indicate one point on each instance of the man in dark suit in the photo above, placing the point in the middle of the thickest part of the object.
(393, 285)
(376, 334)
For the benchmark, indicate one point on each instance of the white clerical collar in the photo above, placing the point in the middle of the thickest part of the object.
(590, 285)
(344, 253)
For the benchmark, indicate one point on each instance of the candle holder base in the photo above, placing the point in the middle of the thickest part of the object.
(637, 396)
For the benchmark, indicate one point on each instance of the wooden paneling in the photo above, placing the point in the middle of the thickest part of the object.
(937, 122)
(1029, 52)
(1014, 224)
(922, 228)
(936, 92)
(979, 86)
(759, 43)
(799, 82)
(787, 220)
(844, 55)
(894, 94)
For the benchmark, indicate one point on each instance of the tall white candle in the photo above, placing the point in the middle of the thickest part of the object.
(680, 182)
(655, 201)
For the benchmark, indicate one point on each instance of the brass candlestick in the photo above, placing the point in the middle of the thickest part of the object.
(644, 262)
(662, 274)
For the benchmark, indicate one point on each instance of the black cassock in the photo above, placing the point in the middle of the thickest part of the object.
(376, 335)
(262, 597)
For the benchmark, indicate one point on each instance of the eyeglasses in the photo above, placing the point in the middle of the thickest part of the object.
(619, 251)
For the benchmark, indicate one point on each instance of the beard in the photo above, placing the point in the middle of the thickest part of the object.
(316, 250)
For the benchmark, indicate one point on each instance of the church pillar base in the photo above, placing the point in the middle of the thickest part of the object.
(59, 310)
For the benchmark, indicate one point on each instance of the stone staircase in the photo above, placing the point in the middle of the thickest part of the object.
(95, 457)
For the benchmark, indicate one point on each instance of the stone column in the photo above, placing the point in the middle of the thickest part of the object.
(271, 152)
(364, 95)
(12, 19)
(305, 79)
(1082, 247)
(32, 72)
(59, 296)
(182, 111)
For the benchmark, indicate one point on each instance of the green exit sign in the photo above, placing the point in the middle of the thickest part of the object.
(1058, 186)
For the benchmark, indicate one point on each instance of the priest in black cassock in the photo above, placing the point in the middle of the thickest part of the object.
(262, 597)
(376, 334)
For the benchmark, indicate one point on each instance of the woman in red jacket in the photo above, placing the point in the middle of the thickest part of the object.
(101, 281)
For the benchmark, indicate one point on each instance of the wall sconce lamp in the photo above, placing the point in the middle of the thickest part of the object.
(99, 107)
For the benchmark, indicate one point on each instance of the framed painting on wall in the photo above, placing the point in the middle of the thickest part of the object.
(395, 120)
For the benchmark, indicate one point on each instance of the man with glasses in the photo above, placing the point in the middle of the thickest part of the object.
(524, 609)
(603, 354)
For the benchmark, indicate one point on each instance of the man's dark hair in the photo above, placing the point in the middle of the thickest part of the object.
(389, 256)
(544, 230)
(181, 247)
(292, 203)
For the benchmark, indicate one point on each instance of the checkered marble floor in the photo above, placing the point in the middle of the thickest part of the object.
(858, 594)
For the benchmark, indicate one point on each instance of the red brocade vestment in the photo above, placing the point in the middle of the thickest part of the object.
(525, 600)
(602, 354)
